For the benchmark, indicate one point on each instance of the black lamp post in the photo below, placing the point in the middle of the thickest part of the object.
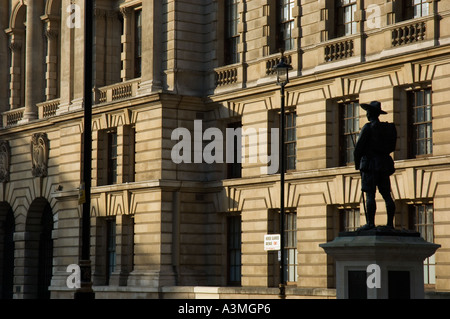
(282, 70)
(85, 291)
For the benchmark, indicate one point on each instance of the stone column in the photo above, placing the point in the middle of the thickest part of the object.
(34, 59)
(66, 57)
(127, 44)
(113, 47)
(15, 99)
(4, 56)
(99, 47)
(151, 47)
(51, 75)
(77, 61)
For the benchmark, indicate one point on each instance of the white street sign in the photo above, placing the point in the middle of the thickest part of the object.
(272, 242)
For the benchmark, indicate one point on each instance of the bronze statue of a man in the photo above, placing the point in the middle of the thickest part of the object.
(372, 157)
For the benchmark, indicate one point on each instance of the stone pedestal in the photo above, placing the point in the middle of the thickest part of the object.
(379, 264)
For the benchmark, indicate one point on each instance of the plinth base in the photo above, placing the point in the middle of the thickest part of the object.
(379, 264)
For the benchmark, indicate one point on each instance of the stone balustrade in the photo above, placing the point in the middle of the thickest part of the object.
(408, 33)
(12, 117)
(226, 75)
(116, 91)
(48, 108)
(339, 50)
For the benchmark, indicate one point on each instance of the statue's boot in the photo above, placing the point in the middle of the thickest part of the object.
(390, 208)
(370, 222)
(366, 227)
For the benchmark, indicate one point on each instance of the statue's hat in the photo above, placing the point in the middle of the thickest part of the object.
(373, 106)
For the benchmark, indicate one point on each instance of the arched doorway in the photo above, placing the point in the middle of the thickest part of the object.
(38, 250)
(7, 226)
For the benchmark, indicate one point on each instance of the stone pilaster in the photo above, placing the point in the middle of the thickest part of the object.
(66, 57)
(15, 98)
(127, 45)
(51, 75)
(78, 61)
(4, 56)
(34, 59)
(151, 47)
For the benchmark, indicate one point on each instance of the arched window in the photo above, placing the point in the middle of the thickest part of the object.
(38, 260)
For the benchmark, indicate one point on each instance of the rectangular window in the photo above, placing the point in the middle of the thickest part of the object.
(137, 43)
(421, 219)
(349, 219)
(421, 129)
(413, 9)
(129, 153)
(110, 248)
(421, 8)
(286, 24)
(346, 23)
(349, 131)
(234, 169)
(234, 250)
(127, 243)
(290, 245)
(290, 136)
(231, 32)
(290, 140)
(112, 157)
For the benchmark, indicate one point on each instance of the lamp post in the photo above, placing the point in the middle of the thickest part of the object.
(282, 70)
(85, 291)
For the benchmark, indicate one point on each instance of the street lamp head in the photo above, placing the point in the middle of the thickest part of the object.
(282, 70)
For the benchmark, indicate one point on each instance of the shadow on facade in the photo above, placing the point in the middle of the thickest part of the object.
(7, 227)
(38, 250)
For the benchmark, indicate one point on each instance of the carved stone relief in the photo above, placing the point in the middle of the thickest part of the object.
(39, 154)
(5, 157)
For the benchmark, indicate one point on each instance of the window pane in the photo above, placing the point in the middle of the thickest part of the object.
(428, 97)
(432, 274)
(138, 43)
(347, 14)
(425, 10)
(110, 247)
(286, 24)
(419, 115)
(429, 130)
(231, 32)
(112, 158)
(350, 124)
(422, 122)
(421, 131)
(290, 140)
(234, 249)
(429, 146)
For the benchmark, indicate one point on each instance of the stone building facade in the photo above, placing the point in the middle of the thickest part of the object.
(163, 228)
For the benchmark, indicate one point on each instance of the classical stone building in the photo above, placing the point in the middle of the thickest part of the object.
(170, 224)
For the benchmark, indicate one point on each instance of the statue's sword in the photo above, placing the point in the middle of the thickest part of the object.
(362, 193)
